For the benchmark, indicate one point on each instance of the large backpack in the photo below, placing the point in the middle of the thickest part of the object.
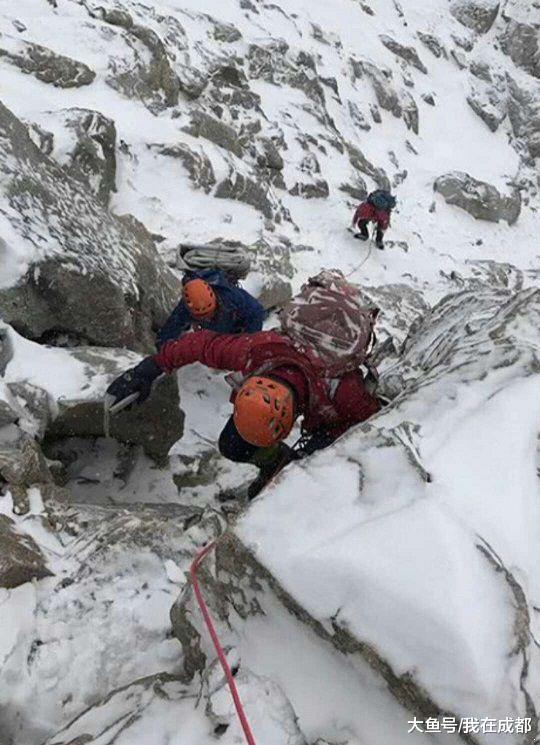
(382, 200)
(328, 320)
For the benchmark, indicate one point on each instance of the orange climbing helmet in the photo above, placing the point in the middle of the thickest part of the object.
(263, 411)
(200, 298)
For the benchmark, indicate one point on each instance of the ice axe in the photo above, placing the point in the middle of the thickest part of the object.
(109, 407)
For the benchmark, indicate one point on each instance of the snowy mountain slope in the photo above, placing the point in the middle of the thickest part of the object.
(265, 123)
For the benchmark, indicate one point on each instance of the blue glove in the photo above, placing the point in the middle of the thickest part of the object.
(136, 380)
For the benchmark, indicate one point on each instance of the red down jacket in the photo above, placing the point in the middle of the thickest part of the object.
(367, 211)
(334, 405)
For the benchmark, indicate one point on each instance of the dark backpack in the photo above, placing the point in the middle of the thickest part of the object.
(382, 200)
(327, 318)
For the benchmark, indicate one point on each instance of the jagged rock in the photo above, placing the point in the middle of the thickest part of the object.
(481, 70)
(274, 293)
(429, 98)
(487, 103)
(262, 59)
(24, 464)
(310, 164)
(434, 45)
(524, 114)
(191, 81)
(272, 63)
(478, 15)
(154, 81)
(226, 32)
(155, 425)
(357, 190)
(359, 161)
(90, 156)
(269, 156)
(481, 200)
(520, 41)
(44, 64)
(96, 276)
(459, 58)
(375, 114)
(410, 111)
(387, 96)
(315, 190)
(43, 139)
(243, 189)
(465, 41)
(198, 164)
(20, 558)
(358, 118)
(35, 405)
(204, 125)
(409, 54)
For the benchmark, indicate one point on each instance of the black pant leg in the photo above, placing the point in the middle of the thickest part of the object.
(233, 446)
(363, 228)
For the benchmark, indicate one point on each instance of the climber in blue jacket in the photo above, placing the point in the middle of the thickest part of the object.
(211, 301)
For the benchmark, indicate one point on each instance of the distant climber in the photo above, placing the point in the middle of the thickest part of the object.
(211, 300)
(282, 376)
(376, 208)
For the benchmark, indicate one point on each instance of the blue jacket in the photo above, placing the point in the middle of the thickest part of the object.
(238, 312)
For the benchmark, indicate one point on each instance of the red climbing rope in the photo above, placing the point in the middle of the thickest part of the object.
(219, 649)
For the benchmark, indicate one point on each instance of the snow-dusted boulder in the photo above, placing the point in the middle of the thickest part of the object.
(20, 558)
(481, 200)
(488, 102)
(94, 276)
(44, 64)
(73, 382)
(478, 15)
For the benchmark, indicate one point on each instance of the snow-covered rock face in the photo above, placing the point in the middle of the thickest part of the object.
(77, 269)
(413, 544)
(393, 575)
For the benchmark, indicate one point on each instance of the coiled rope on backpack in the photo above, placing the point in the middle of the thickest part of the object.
(231, 259)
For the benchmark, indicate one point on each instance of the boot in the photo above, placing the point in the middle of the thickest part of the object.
(363, 233)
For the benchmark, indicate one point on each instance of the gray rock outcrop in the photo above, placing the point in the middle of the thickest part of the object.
(480, 199)
(409, 54)
(97, 276)
(20, 557)
(44, 64)
(478, 15)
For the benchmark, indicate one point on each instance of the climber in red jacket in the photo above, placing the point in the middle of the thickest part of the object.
(278, 384)
(376, 208)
